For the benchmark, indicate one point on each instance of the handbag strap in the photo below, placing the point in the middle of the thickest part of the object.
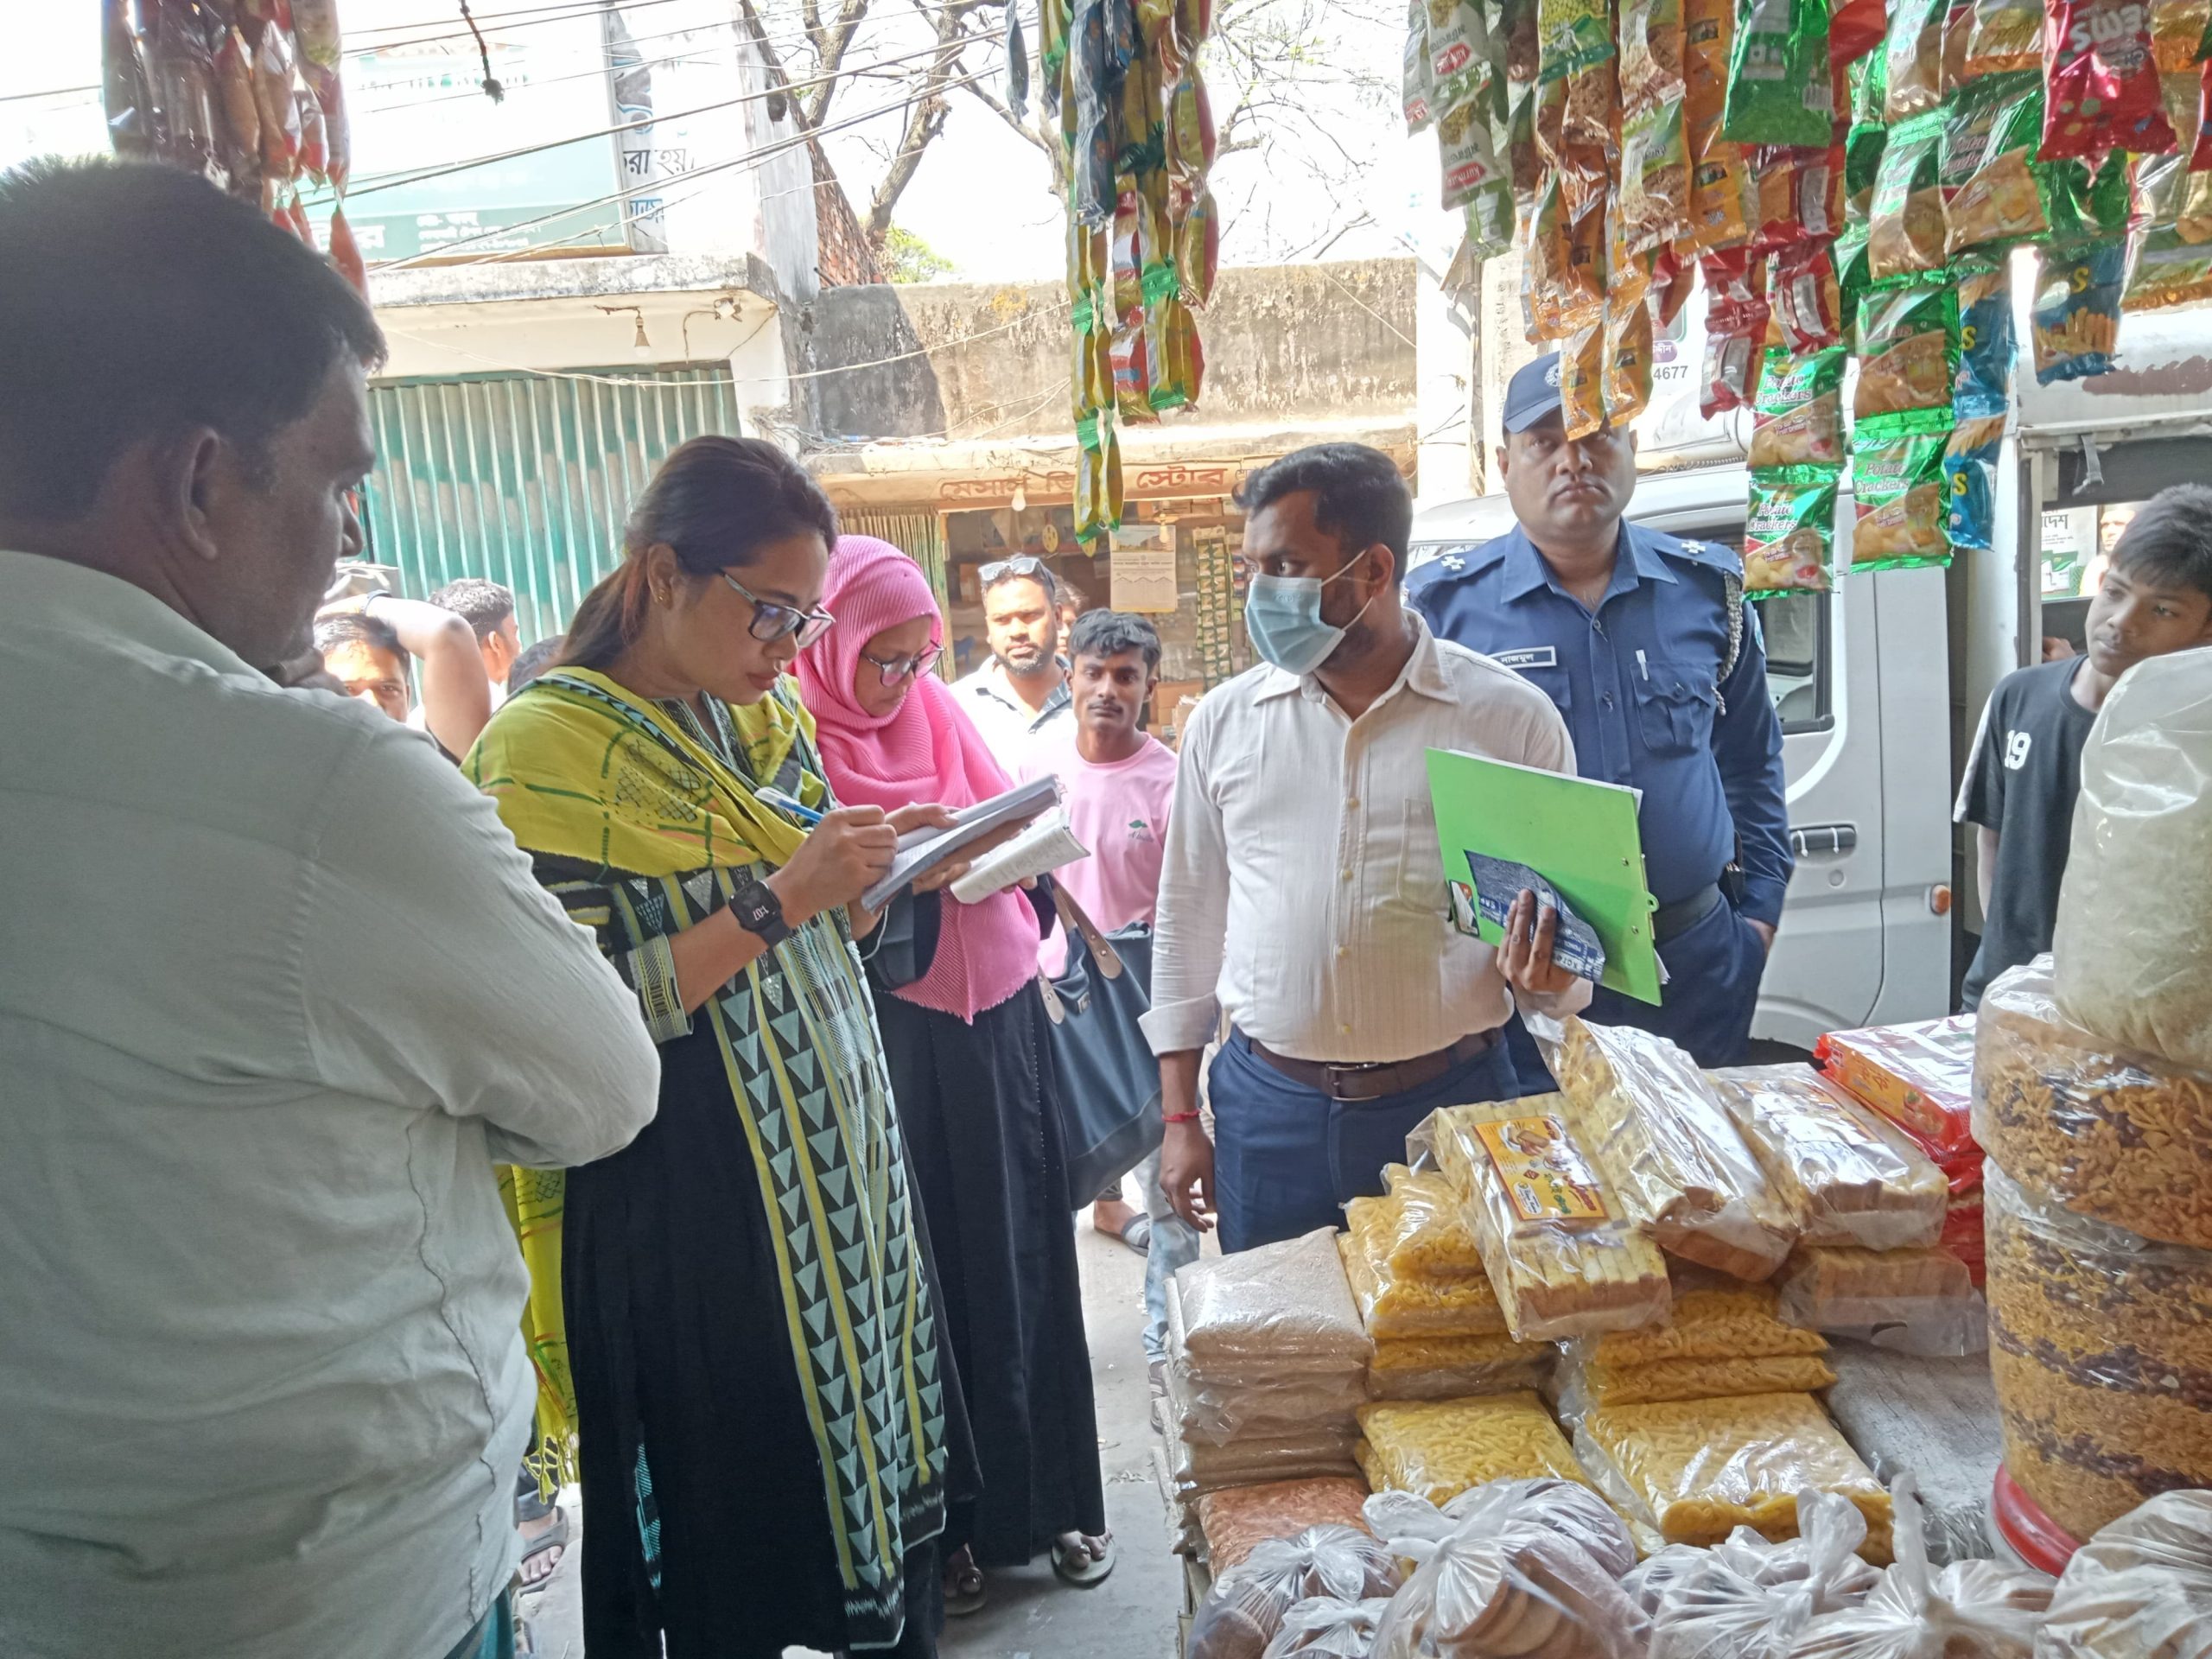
(1076, 921)
(1055, 1009)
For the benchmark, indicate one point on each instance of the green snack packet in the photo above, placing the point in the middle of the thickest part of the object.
(1789, 532)
(1849, 254)
(1572, 36)
(1798, 416)
(2167, 271)
(1905, 231)
(1898, 490)
(1908, 339)
(1780, 86)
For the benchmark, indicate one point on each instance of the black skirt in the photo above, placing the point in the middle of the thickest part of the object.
(978, 1109)
(710, 1523)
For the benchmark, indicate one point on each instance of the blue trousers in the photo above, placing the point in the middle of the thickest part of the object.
(1287, 1158)
(1712, 991)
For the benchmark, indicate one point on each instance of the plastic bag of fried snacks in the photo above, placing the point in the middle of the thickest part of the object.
(1722, 1339)
(1431, 1239)
(1852, 1178)
(1661, 1135)
(1694, 1471)
(1450, 1368)
(1398, 1308)
(1563, 1254)
(1437, 1449)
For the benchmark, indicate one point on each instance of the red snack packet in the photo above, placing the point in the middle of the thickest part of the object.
(2101, 82)
(346, 253)
(1736, 319)
(1855, 27)
(1673, 275)
(1919, 1076)
(1808, 301)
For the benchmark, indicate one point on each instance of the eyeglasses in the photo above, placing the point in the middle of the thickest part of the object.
(1023, 564)
(771, 621)
(896, 669)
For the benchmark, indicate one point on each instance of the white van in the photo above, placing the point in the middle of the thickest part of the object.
(1859, 677)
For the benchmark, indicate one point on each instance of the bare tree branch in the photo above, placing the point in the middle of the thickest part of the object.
(774, 64)
(831, 57)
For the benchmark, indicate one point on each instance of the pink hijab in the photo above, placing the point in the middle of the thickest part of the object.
(924, 750)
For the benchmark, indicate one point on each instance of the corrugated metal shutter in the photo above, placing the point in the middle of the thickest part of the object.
(527, 478)
(919, 536)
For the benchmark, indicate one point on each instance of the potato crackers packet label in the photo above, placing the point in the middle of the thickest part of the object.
(1545, 1176)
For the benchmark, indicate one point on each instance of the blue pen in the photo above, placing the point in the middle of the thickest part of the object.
(806, 815)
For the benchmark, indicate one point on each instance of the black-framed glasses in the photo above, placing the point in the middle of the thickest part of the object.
(895, 669)
(771, 621)
(1021, 564)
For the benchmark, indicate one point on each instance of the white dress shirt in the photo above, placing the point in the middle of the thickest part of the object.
(1303, 888)
(276, 990)
(1010, 726)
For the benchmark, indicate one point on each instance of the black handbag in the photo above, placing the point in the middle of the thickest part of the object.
(1109, 1081)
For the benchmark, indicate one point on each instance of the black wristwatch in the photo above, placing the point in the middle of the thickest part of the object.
(759, 913)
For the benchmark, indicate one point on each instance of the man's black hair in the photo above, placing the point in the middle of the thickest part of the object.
(138, 301)
(481, 603)
(1358, 496)
(1042, 575)
(2170, 539)
(351, 628)
(1108, 634)
(532, 661)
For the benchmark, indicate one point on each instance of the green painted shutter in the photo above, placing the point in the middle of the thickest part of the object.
(527, 478)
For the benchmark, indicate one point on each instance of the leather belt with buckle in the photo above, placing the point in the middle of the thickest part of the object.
(1363, 1082)
(1672, 921)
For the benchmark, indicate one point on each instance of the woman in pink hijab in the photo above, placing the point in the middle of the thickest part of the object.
(971, 1070)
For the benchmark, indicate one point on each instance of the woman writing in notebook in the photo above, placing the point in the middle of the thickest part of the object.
(965, 1031)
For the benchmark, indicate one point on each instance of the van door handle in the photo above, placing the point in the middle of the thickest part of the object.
(1823, 838)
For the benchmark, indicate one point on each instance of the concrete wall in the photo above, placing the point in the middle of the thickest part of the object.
(1283, 344)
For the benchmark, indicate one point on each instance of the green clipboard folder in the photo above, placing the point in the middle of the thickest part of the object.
(1580, 835)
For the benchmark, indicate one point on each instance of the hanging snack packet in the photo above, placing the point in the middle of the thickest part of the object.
(1957, 29)
(1735, 330)
(2167, 271)
(1905, 234)
(1655, 181)
(2006, 36)
(1585, 264)
(2101, 82)
(1545, 279)
(1912, 82)
(1673, 278)
(1721, 202)
(1416, 82)
(1970, 482)
(1866, 136)
(1984, 383)
(1628, 276)
(1799, 414)
(2177, 32)
(1991, 197)
(1849, 254)
(1799, 193)
(1651, 43)
(1788, 531)
(1460, 63)
(1908, 353)
(2075, 327)
(1463, 145)
(1521, 159)
(1898, 487)
(1516, 24)
(1572, 36)
(1489, 220)
(2169, 191)
(1855, 29)
(1780, 88)
(1582, 381)
(1808, 301)
(1628, 363)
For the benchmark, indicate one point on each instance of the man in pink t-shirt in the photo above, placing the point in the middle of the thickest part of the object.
(1118, 784)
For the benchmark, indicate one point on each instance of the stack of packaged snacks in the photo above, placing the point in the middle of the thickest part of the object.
(1564, 1254)
(1692, 1472)
(1920, 1300)
(1437, 1327)
(1796, 460)
(1437, 1449)
(1667, 1146)
(1267, 1363)
(1723, 1339)
(1848, 1175)
(1919, 1076)
(1238, 1519)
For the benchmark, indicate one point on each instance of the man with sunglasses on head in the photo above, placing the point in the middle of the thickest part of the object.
(1022, 692)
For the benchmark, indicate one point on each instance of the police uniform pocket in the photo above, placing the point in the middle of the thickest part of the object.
(1674, 708)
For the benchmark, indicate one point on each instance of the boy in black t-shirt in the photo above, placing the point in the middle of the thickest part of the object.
(2026, 765)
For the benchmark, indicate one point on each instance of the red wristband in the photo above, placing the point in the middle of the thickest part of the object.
(1180, 1117)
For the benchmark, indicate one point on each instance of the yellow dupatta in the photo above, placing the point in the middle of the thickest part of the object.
(580, 768)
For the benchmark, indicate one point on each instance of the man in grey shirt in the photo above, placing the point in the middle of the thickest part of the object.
(277, 989)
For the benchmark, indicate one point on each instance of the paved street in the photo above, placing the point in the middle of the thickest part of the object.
(1132, 1615)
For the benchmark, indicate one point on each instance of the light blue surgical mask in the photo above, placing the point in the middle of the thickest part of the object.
(1282, 614)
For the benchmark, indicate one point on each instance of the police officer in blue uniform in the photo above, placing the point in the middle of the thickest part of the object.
(1646, 646)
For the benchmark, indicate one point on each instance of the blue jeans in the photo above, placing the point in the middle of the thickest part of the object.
(494, 1635)
(1712, 991)
(1174, 1244)
(1287, 1158)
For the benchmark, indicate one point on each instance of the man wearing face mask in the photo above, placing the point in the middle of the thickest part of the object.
(1303, 890)
(1645, 644)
